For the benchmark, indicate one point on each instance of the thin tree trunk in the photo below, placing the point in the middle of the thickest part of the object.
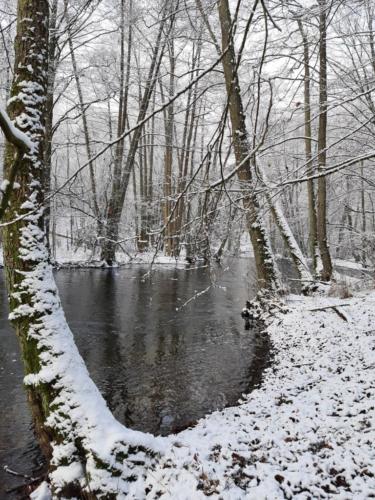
(52, 63)
(326, 272)
(94, 195)
(186, 155)
(313, 228)
(119, 187)
(363, 210)
(287, 234)
(168, 156)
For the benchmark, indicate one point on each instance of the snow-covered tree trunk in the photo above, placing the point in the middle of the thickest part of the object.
(265, 263)
(23, 240)
(91, 454)
(286, 233)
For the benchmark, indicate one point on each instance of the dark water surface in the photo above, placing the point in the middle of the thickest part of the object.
(159, 365)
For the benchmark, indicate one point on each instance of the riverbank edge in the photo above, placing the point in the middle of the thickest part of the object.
(306, 432)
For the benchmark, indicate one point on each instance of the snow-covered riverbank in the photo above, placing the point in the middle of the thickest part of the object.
(307, 432)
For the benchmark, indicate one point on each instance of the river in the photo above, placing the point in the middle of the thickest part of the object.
(162, 353)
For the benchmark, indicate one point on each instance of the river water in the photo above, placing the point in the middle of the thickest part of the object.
(161, 363)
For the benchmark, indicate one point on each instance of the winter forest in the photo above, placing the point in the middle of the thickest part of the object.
(187, 237)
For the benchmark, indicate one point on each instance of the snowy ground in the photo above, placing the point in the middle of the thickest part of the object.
(306, 433)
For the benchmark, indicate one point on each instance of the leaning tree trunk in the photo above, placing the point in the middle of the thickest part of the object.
(119, 188)
(91, 453)
(265, 264)
(289, 239)
(21, 238)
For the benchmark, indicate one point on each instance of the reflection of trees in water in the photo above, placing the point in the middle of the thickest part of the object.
(160, 369)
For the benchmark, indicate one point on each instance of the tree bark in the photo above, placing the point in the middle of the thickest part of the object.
(326, 272)
(313, 227)
(121, 178)
(94, 195)
(27, 109)
(52, 64)
(70, 415)
(290, 241)
(265, 263)
(168, 156)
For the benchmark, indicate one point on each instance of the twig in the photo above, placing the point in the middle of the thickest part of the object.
(18, 474)
(328, 307)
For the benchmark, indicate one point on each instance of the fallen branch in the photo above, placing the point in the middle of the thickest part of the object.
(335, 307)
(18, 474)
(328, 307)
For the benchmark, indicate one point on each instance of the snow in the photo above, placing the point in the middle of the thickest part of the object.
(41, 493)
(4, 185)
(349, 264)
(79, 413)
(306, 432)
(15, 131)
(83, 258)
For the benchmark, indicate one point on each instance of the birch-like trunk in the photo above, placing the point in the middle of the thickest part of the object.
(283, 226)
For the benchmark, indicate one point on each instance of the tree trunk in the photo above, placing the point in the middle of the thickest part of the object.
(168, 156)
(313, 228)
(363, 211)
(71, 416)
(265, 264)
(287, 234)
(52, 63)
(119, 188)
(190, 118)
(27, 108)
(326, 272)
(94, 195)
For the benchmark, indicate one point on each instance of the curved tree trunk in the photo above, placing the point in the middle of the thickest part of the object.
(90, 452)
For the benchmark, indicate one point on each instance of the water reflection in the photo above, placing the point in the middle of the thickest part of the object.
(158, 368)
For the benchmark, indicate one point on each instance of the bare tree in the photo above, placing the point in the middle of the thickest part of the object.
(326, 272)
(266, 267)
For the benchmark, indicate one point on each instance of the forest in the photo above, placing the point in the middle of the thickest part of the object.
(187, 230)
